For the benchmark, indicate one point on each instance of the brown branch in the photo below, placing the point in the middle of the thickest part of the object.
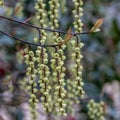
(41, 28)
(38, 29)
(28, 19)
(28, 43)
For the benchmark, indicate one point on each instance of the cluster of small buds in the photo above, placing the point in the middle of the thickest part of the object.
(54, 9)
(58, 39)
(96, 110)
(31, 73)
(43, 70)
(78, 12)
(57, 65)
(41, 16)
(2, 3)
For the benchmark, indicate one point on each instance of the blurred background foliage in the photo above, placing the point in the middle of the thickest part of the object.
(101, 56)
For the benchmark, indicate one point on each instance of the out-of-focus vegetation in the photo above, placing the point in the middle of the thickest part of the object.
(101, 57)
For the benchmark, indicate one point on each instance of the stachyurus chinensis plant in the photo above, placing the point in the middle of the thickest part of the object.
(46, 67)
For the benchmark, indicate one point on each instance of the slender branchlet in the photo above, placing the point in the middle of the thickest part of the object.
(96, 110)
(38, 28)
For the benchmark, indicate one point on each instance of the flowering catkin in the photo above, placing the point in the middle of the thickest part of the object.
(57, 61)
(31, 73)
(43, 70)
(96, 110)
(42, 57)
(76, 47)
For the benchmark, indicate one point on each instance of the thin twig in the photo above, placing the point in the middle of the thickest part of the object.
(38, 29)
(17, 39)
(41, 28)
(28, 43)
